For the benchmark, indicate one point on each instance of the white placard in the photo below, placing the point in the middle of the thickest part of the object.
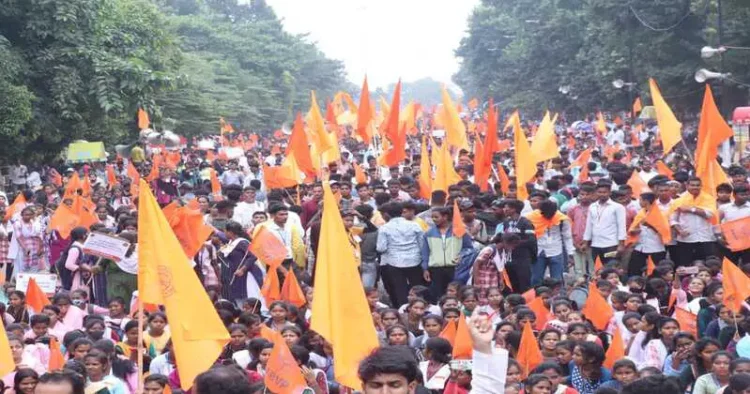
(106, 246)
(46, 282)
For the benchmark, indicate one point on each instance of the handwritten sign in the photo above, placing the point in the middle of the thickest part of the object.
(46, 282)
(106, 246)
(737, 234)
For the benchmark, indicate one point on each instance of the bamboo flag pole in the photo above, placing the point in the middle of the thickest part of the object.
(140, 347)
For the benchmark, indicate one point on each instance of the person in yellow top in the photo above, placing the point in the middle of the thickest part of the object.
(137, 154)
(157, 335)
(410, 213)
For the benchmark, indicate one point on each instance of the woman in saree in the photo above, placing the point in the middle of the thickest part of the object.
(241, 276)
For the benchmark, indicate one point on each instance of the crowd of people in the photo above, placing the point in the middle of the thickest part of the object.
(609, 217)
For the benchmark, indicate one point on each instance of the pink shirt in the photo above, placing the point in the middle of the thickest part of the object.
(577, 216)
(73, 320)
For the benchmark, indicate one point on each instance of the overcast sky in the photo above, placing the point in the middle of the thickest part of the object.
(384, 39)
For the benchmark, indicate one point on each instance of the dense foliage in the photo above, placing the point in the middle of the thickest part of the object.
(80, 69)
(522, 51)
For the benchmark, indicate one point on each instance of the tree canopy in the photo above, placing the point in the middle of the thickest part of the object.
(80, 70)
(521, 52)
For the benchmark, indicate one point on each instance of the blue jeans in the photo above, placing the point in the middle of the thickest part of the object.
(556, 266)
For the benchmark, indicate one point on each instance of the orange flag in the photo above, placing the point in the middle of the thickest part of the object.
(283, 375)
(364, 114)
(291, 291)
(165, 277)
(656, 219)
(395, 132)
(455, 130)
(462, 346)
(687, 320)
(544, 144)
(299, 147)
(425, 172)
(56, 358)
(506, 280)
(84, 209)
(637, 106)
(616, 350)
(638, 185)
(459, 227)
(341, 316)
(662, 169)
(359, 174)
(267, 247)
(541, 312)
(598, 266)
(736, 286)
(712, 131)
(650, 266)
(189, 228)
(481, 170)
(74, 183)
(669, 127)
(583, 159)
(215, 185)
(7, 365)
(13, 208)
(491, 143)
(450, 331)
(268, 334)
(529, 355)
(111, 177)
(63, 220)
(55, 177)
(445, 173)
(597, 309)
(504, 180)
(271, 286)
(35, 297)
(143, 121)
(280, 177)
(331, 116)
(525, 166)
(317, 126)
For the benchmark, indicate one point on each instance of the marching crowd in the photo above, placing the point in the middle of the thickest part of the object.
(603, 274)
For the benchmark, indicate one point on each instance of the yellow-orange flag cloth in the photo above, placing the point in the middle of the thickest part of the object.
(56, 358)
(637, 184)
(525, 166)
(455, 130)
(317, 126)
(35, 297)
(143, 121)
(703, 201)
(7, 365)
(650, 266)
(736, 286)
(656, 220)
(542, 224)
(450, 331)
(342, 315)
(597, 309)
(283, 376)
(459, 227)
(669, 127)
(637, 106)
(425, 172)
(544, 144)
(712, 131)
(445, 173)
(462, 343)
(364, 114)
(165, 277)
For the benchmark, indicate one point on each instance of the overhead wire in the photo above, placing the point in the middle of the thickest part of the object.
(671, 27)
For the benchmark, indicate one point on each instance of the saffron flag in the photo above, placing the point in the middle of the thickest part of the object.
(541, 312)
(300, 148)
(736, 286)
(317, 126)
(445, 173)
(449, 331)
(143, 121)
(687, 320)
(462, 345)
(712, 131)
(616, 349)
(283, 375)
(637, 184)
(63, 220)
(267, 247)
(425, 172)
(504, 179)
(650, 266)
(291, 291)
(189, 228)
(111, 177)
(459, 227)
(364, 114)
(669, 127)
(271, 286)
(544, 144)
(455, 130)
(529, 355)
(637, 106)
(7, 365)
(341, 316)
(525, 166)
(601, 125)
(662, 169)
(597, 309)
(598, 266)
(15, 207)
(56, 358)
(35, 297)
(215, 185)
(165, 277)
(359, 174)
(395, 132)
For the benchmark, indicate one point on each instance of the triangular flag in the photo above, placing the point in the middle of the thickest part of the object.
(601, 125)
(317, 126)
(525, 166)
(455, 130)
(598, 266)
(459, 227)
(111, 176)
(271, 290)
(425, 172)
(215, 185)
(736, 286)
(63, 220)
(662, 169)
(143, 121)
(283, 375)
(342, 315)
(56, 358)
(449, 332)
(597, 309)
(15, 207)
(35, 297)
(687, 320)
(359, 174)
(650, 266)
(637, 184)
(637, 106)
(504, 179)
(529, 355)
(299, 147)
(462, 346)
(616, 350)
(189, 228)
(394, 132)
(445, 173)
(669, 127)
(529, 295)
(506, 280)
(364, 114)
(541, 312)
(292, 292)
(7, 365)
(269, 249)
(165, 277)
(713, 130)
(544, 145)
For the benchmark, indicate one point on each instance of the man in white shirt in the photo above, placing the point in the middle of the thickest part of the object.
(244, 210)
(647, 170)
(695, 235)
(616, 136)
(649, 242)
(739, 209)
(18, 174)
(605, 226)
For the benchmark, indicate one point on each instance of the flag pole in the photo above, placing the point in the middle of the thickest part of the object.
(140, 348)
